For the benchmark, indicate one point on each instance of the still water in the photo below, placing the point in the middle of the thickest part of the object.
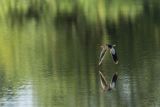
(49, 53)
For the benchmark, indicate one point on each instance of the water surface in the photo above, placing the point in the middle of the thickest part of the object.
(49, 53)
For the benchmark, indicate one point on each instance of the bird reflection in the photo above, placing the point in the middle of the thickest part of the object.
(105, 85)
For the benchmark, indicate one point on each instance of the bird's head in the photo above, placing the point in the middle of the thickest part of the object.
(109, 45)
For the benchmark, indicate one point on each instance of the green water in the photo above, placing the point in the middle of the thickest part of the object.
(49, 53)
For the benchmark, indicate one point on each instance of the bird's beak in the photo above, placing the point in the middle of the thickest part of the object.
(114, 45)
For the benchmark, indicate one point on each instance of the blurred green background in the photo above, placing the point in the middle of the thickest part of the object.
(49, 52)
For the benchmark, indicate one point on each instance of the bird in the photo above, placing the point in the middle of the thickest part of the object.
(108, 86)
(112, 52)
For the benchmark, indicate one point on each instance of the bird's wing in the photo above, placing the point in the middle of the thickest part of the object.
(102, 55)
(103, 81)
(102, 52)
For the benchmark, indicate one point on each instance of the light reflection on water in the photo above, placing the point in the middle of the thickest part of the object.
(23, 97)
